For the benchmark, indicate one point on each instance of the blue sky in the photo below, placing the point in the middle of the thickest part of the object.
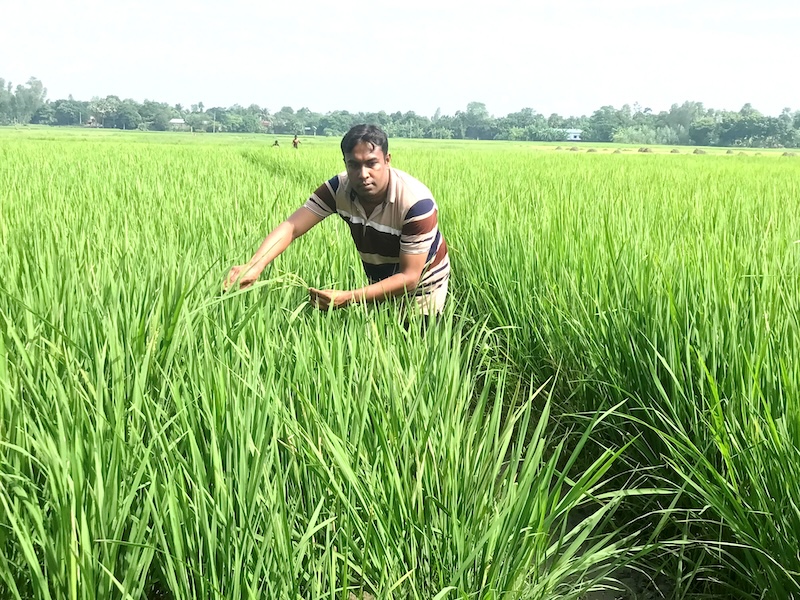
(569, 57)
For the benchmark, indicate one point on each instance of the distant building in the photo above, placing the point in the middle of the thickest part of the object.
(572, 135)
(178, 125)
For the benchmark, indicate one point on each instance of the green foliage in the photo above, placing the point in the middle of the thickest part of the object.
(160, 439)
(645, 134)
(28, 99)
(670, 285)
(688, 123)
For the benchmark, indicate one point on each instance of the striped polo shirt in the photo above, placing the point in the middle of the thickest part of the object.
(407, 221)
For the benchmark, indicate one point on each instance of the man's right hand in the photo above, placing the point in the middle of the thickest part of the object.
(276, 242)
(246, 275)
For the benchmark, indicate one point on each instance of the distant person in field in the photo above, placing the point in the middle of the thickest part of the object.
(393, 220)
(276, 144)
(295, 143)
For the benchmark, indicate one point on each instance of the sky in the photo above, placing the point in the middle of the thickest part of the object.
(569, 56)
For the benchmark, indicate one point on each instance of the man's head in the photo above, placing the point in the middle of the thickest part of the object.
(365, 149)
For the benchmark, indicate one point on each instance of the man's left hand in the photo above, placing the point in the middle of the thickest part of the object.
(328, 299)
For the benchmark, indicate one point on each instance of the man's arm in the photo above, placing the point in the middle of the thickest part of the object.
(406, 281)
(276, 242)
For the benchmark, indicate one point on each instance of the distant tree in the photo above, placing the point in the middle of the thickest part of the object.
(379, 118)
(198, 121)
(104, 108)
(458, 124)
(785, 127)
(265, 116)
(304, 117)
(477, 111)
(156, 115)
(703, 132)
(284, 120)
(127, 115)
(336, 123)
(28, 99)
(747, 110)
(680, 117)
(232, 121)
(605, 121)
(556, 121)
(441, 129)
(67, 112)
(522, 119)
(514, 134)
(439, 133)
(251, 123)
(646, 135)
(46, 115)
(411, 125)
(686, 123)
(477, 122)
(749, 128)
(6, 102)
(583, 123)
(541, 132)
(218, 116)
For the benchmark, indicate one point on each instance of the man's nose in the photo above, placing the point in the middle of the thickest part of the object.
(363, 173)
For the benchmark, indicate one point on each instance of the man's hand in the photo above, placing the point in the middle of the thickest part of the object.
(246, 275)
(327, 299)
(298, 223)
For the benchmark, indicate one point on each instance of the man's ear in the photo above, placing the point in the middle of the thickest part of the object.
(388, 158)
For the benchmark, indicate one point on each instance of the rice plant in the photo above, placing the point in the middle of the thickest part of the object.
(613, 384)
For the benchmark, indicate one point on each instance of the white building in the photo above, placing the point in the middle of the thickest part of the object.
(178, 125)
(573, 135)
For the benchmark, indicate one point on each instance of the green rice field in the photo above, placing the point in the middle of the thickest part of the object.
(609, 408)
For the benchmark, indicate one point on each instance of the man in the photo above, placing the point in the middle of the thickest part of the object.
(393, 220)
(295, 142)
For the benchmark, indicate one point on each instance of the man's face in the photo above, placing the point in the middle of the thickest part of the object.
(368, 171)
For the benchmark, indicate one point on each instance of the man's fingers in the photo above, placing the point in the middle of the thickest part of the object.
(234, 275)
(318, 299)
(228, 281)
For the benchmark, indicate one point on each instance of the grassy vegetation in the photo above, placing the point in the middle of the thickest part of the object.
(615, 380)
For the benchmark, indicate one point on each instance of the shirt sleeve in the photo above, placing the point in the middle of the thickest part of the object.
(420, 227)
(323, 201)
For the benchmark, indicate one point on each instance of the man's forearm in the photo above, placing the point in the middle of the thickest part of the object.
(275, 243)
(396, 285)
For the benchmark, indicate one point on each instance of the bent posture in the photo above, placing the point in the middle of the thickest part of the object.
(393, 220)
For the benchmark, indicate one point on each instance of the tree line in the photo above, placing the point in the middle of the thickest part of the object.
(690, 123)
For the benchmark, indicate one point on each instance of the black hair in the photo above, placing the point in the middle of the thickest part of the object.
(371, 134)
